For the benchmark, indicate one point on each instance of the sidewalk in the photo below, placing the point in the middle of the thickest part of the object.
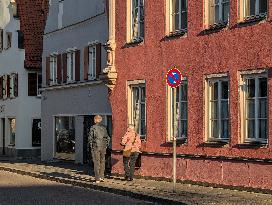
(156, 191)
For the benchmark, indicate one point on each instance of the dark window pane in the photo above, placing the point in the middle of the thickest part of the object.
(252, 7)
(142, 111)
(251, 128)
(183, 110)
(263, 6)
(214, 128)
(224, 109)
(225, 90)
(262, 87)
(214, 110)
(184, 20)
(214, 91)
(250, 105)
(250, 88)
(142, 94)
(183, 88)
(184, 126)
(142, 131)
(263, 129)
(225, 129)
(216, 14)
(225, 13)
(262, 108)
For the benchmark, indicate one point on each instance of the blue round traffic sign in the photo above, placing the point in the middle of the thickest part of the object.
(173, 78)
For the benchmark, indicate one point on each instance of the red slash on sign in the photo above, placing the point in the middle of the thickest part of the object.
(173, 78)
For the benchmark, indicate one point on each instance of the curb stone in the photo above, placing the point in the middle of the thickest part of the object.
(135, 195)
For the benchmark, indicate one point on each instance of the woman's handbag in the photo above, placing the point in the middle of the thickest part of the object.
(127, 153)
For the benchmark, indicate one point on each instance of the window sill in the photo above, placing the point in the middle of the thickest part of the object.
(215, 143)
(135, 42)
(180, 141)
(252, 144)
(253, 20)
(176, 34)
(215, 28)
(11, 145)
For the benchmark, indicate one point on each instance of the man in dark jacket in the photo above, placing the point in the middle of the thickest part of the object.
(99, 141)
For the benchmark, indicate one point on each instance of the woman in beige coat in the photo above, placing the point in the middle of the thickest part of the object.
(131, 140)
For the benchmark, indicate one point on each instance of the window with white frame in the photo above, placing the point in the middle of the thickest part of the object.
(92, 62)
(178, 111)
(53, 69)
(71, 65)
(254, 8)
(254, 107)
(219, 11)
(137, 108)
(217, 107)
(178, 15)
(135, 20)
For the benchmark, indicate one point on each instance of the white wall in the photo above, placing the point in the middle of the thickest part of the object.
(24, 108)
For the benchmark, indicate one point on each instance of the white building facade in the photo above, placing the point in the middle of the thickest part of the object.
(20, 104)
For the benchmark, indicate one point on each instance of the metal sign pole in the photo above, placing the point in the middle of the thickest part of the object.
(174, 163)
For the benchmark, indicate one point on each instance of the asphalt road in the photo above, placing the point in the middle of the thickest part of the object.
(17, 189)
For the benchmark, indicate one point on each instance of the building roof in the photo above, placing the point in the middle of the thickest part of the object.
(32, 14)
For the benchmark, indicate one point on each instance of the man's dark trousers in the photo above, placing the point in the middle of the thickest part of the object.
(98, 155)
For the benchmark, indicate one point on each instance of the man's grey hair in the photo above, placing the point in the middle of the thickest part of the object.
(98, 118)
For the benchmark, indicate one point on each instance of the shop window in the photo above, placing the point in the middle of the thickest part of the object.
(12, 130)
(217, 106)
(254, 108)
(178, 111)
(135, 20)
(65, 137)
(137, 108)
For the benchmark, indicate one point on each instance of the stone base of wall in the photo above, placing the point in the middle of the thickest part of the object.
(211, 171)
(21, 153)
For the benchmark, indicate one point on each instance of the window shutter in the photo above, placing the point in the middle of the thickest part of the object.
(59, 77)
(47, 70)
(77, 65)
(15, 87)
(1, 87)
(1, 40)
(8, 86)
(86, 63)
(98, 60)
(64, 67)
(32, 84)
